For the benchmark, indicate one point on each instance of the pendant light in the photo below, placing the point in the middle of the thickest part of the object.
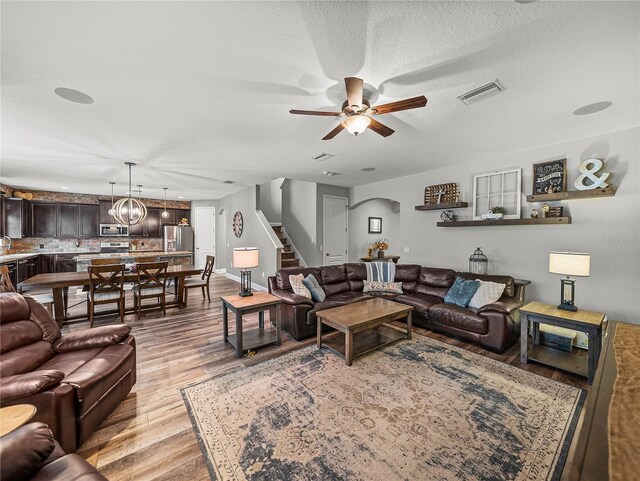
(165, 214)
(112, 211)
(130, 211)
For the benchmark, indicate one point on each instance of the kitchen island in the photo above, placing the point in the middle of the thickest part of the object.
(174, 258)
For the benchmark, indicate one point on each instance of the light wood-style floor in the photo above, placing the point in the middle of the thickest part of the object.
(149, 436)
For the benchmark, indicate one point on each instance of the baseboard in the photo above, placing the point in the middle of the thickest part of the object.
(254, 286)
(220, 271)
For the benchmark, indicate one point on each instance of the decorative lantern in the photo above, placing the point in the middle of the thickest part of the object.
(478, 262)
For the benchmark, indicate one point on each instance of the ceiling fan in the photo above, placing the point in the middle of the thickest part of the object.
(358, 114)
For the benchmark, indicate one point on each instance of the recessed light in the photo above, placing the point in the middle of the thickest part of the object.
(368, 169)
(73, 95)
(592, 108)
(329, 173)
(525, 1)
(64, 187)
(180, 197)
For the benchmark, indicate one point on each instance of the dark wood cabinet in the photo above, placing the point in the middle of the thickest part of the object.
(171, 220)
(137, 230)
(89, 216)
(183, 214)
(154, 222)
(65, 263)
(16, 218)
(105, 218)
(68, 220)
(47, 263)
(44, 219)
(27, 268)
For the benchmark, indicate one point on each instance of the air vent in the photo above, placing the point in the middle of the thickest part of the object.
(481, 92)
(228, 181)
(322, 157)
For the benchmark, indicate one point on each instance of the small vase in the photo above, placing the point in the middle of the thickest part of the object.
(380, 254)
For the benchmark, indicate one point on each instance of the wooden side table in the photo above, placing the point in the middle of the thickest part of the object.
(586, 321)
(258, 302)
(393, 259)
(12, 417)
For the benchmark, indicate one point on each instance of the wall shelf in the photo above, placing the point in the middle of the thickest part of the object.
(452, 205)
(574, 194)
(478, 223)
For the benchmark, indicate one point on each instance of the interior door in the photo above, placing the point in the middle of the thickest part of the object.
(205, 230)
(334, 232)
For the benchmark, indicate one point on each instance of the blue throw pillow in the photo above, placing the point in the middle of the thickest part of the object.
(311, 283)
(461, 292)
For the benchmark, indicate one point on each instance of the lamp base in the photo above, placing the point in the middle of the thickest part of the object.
(245, 283)
(567, 307)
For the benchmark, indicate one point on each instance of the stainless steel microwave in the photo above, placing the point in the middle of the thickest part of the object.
(114, 230)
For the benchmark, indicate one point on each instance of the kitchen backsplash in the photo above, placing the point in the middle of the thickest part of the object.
(32, 244)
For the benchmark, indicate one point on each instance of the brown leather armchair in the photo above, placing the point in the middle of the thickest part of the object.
(74, 381)
(30, 453)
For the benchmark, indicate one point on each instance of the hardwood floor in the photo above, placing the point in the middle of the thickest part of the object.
(149, 435)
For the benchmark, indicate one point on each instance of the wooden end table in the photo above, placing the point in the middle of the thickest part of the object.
(258, 302)
(12, 417)
(363, 317)
(586, 321)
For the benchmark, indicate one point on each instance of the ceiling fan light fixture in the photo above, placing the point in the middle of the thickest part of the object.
(356, 124)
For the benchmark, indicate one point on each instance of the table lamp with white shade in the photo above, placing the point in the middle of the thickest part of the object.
(245, 258)
(569, 264)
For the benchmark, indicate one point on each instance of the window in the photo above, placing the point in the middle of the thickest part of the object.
(498, 189)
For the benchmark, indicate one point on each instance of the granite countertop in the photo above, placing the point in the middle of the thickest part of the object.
(134, 254)
(26, 255)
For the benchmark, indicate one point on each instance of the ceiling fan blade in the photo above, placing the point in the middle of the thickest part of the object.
(315, 112)
(381, 129)
(406, 104)
(355, 87)
(334, 132)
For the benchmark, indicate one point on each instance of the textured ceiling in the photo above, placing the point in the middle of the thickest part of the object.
(199, 92)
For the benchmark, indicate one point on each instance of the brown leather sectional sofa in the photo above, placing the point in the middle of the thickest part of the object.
(495, 326)
(75, 381)
(31, 453)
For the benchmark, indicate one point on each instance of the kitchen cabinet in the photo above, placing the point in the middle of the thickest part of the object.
(44, 219)
(16, 218)
(105, 218)
(27, 268)
(151, 226)
(47, 262)
(65, 263)
(89, 216)
(183, 214)
(171, 220)
(13, 272)
(68, 220)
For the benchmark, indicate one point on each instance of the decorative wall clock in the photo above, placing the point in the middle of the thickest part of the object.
(237, 224)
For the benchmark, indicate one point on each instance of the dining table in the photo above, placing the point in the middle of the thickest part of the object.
(59, 283)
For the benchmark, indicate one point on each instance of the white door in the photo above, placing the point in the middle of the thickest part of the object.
(205, 229)
(334, 232)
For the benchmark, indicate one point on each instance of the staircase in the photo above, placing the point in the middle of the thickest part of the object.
(288, 258)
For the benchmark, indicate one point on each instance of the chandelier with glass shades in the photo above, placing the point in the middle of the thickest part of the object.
(128, 210)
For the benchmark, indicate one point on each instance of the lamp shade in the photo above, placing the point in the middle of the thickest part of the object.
(245, 257)
(356, 124)
(569, 263)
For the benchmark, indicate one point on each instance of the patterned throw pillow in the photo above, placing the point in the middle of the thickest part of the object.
(383, 287)
(461, 292)
(487, 293)
(311, 283)
(298, 287)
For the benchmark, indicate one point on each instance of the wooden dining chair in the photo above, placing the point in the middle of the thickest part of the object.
(152, 283)
(106, 287)
(7, 286)
(202, 282)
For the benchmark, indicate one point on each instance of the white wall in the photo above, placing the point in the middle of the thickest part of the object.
(299, 217)
(360, 239)
(271, 200)
(608, 228)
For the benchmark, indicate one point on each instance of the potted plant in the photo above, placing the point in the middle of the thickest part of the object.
(495, 213)
(382, 245)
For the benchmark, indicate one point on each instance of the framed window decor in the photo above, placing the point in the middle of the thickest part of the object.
(549, 177)
(375, 225)
(498, 189)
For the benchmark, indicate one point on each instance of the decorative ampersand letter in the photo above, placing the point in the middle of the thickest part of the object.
(588, 169)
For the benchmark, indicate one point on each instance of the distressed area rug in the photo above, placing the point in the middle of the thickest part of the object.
(415, 410)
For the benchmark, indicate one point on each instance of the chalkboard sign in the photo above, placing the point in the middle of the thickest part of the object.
(549, 177)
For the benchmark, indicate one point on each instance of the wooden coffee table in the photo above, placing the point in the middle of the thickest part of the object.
(368, 319)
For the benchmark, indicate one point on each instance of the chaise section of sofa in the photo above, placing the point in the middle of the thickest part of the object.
(495, 326)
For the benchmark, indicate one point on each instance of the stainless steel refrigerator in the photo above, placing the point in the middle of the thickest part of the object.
(178, 238)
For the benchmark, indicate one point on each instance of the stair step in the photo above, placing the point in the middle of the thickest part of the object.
(290, 262)
(277, 228)
(288, 255)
